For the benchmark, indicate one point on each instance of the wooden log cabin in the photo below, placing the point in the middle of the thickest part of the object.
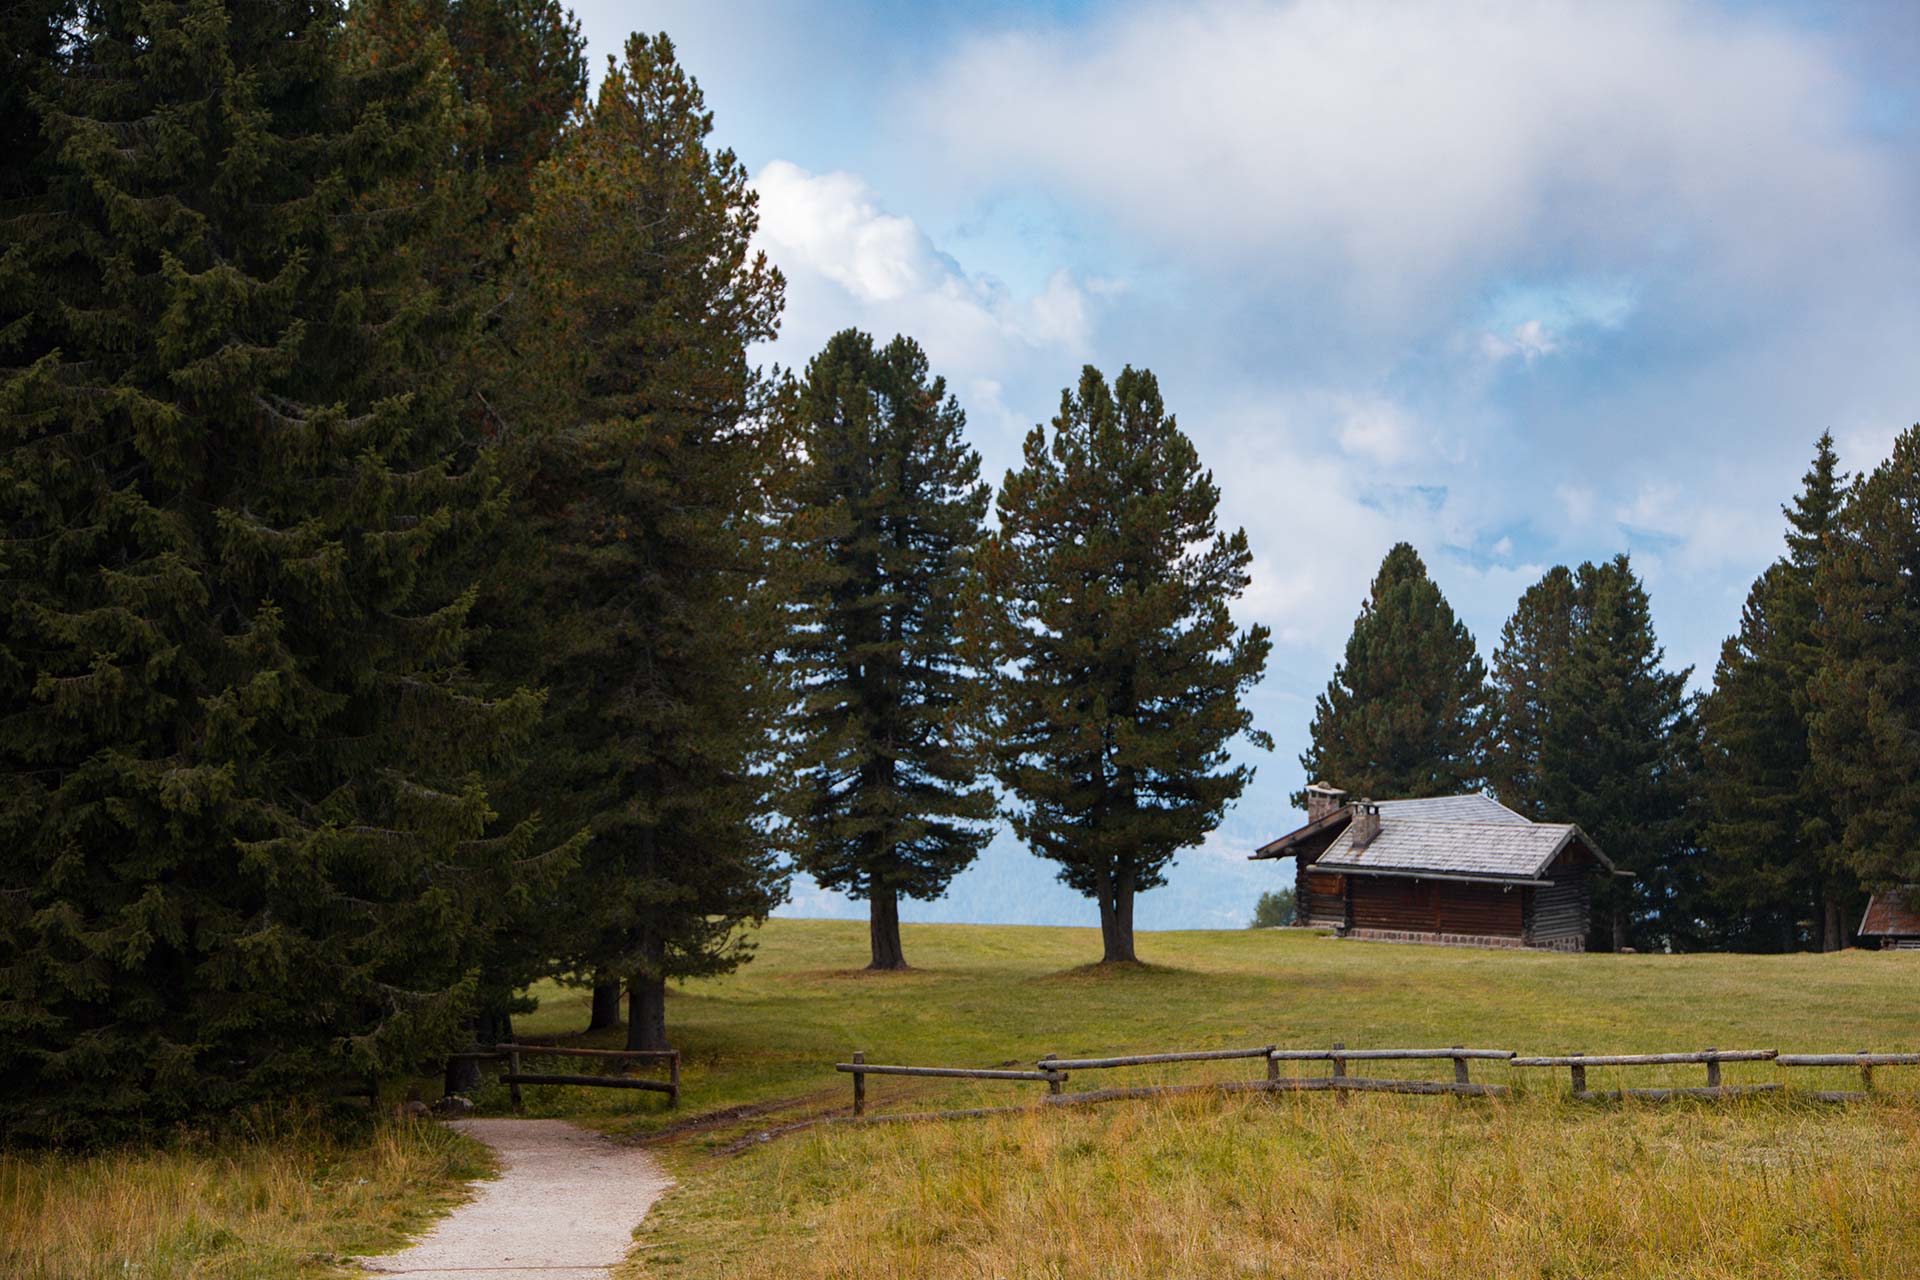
(1464, 870)
(1893, 919)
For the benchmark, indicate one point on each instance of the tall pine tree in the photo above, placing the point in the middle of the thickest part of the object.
(244, 831)
(1619, 757)
(519, 64)
(649, 458)
(890, 507)
(1405, 715)
(1533, 645)
(1105, 612)
(1771, 829)
(1866, 694)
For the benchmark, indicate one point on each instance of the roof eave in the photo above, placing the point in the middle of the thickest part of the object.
(1281, 848)
(1416, 873)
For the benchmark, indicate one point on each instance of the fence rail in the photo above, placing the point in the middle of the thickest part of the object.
(1054, 1071)
(1578, 1063)
(513, 1077)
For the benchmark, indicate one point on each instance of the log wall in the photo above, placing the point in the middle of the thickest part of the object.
(1320, 899)
(1393, 904)
(1559, 912)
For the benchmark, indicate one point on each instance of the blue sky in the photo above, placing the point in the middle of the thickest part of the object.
(1520, 283)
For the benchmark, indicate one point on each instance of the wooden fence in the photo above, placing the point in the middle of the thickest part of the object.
(1577, 1064)
(514, 1077)
(1054, 1071)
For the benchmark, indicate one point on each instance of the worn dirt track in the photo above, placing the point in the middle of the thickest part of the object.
(564, 1208)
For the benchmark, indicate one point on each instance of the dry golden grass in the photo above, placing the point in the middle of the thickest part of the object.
(1295, 1185)
(1300, 1185)
(271, 1198)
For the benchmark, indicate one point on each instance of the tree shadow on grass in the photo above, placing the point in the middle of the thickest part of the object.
(1119, 972)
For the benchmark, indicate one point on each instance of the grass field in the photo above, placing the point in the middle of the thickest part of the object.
(272, 1197)
(1302, 1185)
(1299, 1185)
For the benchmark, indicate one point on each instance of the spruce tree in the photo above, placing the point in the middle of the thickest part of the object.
(1771, 829)
(1533, 645)
(1405, 715)
(1866, 694)
(520, 65)
(890, 508)
(244, 831)
(1120, 673)
(1619, 757)
(650, 459)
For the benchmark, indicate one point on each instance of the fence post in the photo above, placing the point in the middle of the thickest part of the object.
(859, 1084)
(1054, 1083)
(673, 1078)
(1460, 1068)
(1866, 1074)
(1339, 1072)
(1579, 1071)
(1713, 1070)
(513, 1070)
(1273, 1063)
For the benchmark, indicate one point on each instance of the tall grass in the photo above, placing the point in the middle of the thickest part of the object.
(267, 1196)
(1303, 1186)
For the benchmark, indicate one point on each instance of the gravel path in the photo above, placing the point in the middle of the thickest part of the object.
(563, 1208)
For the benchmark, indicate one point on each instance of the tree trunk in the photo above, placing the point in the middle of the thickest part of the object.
(1619, 930)
(647, 1013)
(463, 1074)
(883, 929)
(1116, 919)
(647, 1000)
(606, 1004)
(1830, 940)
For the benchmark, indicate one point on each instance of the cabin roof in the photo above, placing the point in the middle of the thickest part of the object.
(1472, 837)
(1893, 913)
(1500, 850)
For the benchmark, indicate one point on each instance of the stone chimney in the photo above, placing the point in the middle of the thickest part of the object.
(1323, 800)
(1366, 823)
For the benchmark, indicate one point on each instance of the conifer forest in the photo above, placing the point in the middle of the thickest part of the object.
(416, 585)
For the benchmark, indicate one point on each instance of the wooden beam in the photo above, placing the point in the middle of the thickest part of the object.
(965, 1073)
(1147, 1059)
(603, 1082)
(1650, 1059)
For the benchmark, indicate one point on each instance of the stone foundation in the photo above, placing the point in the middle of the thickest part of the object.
(1496, 941)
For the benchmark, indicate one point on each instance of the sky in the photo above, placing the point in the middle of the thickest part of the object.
(1519, 283)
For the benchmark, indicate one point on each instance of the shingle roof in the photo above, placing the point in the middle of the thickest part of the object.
(1517, 850)
(1895, 914)
(1472, 837)
(1478, 807)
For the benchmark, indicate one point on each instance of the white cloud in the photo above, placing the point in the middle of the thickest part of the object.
(1528, 340)
(1376, 429)
(849, 261)
(1391, 150)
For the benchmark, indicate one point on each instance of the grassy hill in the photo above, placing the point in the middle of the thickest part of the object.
(1293, 1185)
(983, 995)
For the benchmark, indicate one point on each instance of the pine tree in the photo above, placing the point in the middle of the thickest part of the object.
(1533, 645)
(519, 64)
(519, 70)
(1865, 724)
(891, 504)
(1405, 715)
(1771, 829)
(1619, 757)
(1105, 612)
(650, 459)
(244, 831)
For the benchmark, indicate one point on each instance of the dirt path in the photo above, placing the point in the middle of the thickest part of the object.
(563, 1208)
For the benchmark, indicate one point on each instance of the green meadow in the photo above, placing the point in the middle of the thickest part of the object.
(1291, 1185)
